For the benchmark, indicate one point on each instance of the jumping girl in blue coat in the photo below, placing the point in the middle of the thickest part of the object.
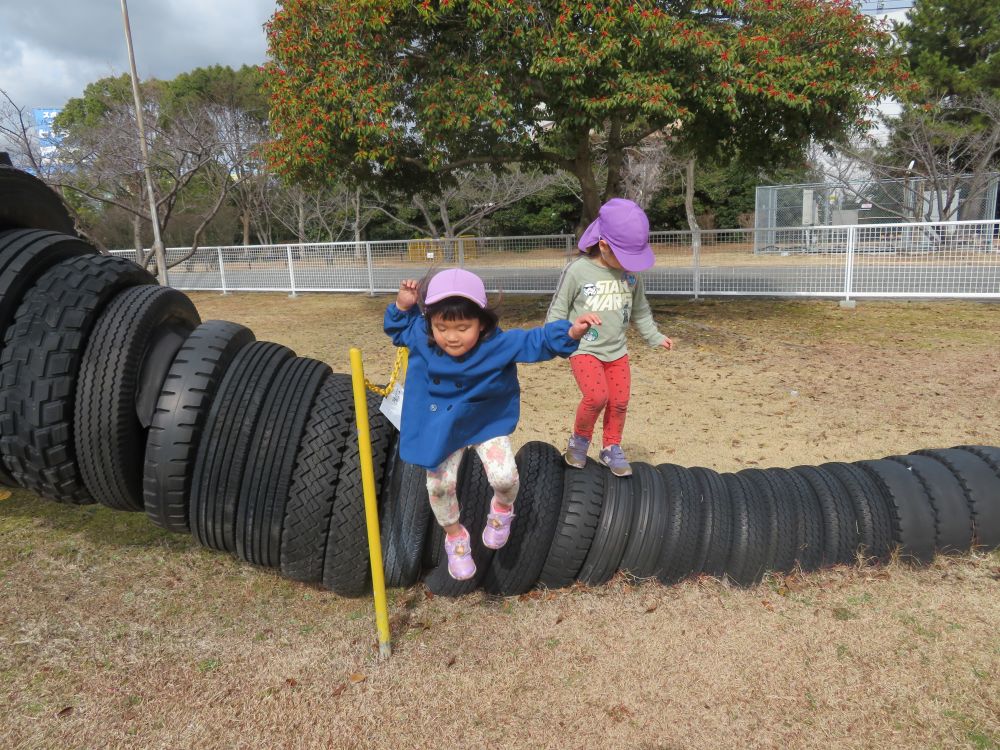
(462, 392)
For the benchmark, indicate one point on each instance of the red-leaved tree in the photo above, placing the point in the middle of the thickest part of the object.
(406, 93)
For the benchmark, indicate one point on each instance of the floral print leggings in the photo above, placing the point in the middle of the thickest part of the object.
(497, 456)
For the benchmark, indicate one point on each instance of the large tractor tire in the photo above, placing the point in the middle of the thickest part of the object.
(221, 458)
(314, 483)
(110, 438)
(346, 565)
(516, 566)
(25, 254)
(179, 418)
(579, 515)
(28, 203)
(270, 464)
(912, 514)
(39, 370)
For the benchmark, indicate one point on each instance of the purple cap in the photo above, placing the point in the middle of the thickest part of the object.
(456, 282)
(624, 226)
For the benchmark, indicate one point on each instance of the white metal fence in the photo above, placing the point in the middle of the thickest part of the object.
(942, 259)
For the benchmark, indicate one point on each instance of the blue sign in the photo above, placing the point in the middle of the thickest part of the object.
(48, 139)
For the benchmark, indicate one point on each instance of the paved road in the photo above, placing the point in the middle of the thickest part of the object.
(872, 279)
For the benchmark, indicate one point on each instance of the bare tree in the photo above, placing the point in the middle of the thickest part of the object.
(325, 214)
(197, 145)
(941, 165)
(241, 136)
(18, 136)
(645, 164)
(476, 195)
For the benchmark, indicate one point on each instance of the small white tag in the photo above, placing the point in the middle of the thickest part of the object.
(392, 405)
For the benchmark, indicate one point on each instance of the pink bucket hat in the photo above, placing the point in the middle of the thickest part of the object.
(456, 282)
(624, 226)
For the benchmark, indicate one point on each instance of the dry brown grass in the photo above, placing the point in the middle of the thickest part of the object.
(114, 634)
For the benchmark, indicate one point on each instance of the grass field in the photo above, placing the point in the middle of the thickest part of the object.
(114, 634)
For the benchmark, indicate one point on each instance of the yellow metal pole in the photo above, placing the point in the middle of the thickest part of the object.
(371, 507)
(404, 355)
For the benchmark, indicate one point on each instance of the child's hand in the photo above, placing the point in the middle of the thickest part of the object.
(667, 343)
(407, 296)
(582, 324)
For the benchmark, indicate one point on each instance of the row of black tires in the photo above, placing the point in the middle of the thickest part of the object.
(670, 522)
(113, 390)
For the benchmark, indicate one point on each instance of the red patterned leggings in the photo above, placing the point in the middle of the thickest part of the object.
(605, 385)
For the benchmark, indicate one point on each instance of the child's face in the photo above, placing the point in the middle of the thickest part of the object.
(608, 257)
(456, 337)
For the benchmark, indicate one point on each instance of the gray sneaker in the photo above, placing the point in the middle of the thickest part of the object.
(614, 458)
(576, 451)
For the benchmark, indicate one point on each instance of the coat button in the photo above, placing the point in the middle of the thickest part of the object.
(458, 385)
(434, 407)
(437, 381)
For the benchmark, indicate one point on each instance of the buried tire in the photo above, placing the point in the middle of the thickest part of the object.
(220, 461)
(715, 535)
(271, 460)
(981, 485)
(474, 496)
(179, 419)
(952, 516)
(516, 566)
(110, 439)
(39, 370)
(314, 482)
(346, 566)
(579, 515)
(613, 529)
(650, 519)
(680, 542)
(910, 507)
(404, 515)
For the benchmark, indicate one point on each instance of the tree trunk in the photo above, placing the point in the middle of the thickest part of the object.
(689, 210)
(689, 196)
(615, 161)
(357, 222)
(137, 235)
(583, 170)
(246, 227)
(302, 217)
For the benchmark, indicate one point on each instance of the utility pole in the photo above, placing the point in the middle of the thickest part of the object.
(158, 252)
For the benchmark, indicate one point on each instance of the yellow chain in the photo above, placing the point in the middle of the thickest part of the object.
(401, 354)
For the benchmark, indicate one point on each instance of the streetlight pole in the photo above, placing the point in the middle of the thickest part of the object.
(158, 251)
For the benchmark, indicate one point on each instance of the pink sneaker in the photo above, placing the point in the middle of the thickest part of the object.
(497, 530)
(461, 566)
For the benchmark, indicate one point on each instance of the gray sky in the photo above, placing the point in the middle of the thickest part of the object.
(51, 49)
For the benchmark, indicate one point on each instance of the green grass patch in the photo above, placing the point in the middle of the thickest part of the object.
(66, 525)
(208, 665)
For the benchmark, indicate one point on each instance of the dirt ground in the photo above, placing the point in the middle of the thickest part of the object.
(115, 634)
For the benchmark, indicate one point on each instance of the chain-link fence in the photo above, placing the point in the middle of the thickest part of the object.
(865, 202)
(927, 259)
